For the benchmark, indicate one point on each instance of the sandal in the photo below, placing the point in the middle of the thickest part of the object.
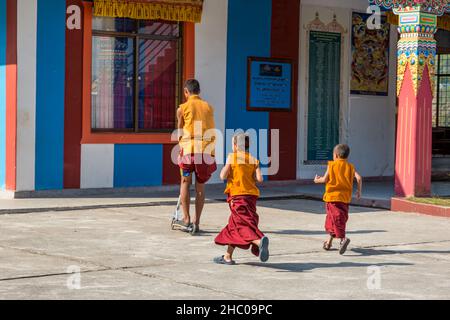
(344, 245)
(327, 246)
(194, 229)
(221, 260)
(264, 250)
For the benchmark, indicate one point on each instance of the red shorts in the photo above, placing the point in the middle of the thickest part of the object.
(337, 217)
(203, 165)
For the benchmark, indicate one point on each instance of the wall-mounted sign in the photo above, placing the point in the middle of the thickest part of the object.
(324, 94)
(269, 86)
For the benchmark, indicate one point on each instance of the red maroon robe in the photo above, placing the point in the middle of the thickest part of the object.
(337, 217)
(242, 227)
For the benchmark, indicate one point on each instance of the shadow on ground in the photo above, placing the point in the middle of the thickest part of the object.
(319, 233)
(302, 267)
(374, 252)
(305, 205)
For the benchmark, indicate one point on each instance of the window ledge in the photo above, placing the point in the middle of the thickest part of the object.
(127, 138)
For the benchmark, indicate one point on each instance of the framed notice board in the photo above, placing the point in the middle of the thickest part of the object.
(323, 94)
(269, 85)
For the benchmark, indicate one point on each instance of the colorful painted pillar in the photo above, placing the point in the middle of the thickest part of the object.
(415, 89)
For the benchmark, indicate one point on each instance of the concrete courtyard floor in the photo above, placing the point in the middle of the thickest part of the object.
(131, 253)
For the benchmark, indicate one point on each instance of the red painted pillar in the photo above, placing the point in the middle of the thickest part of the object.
(11, 95)
(73, 103)
(285, 44)
(415, 76)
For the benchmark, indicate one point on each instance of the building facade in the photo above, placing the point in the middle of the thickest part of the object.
(89, 101)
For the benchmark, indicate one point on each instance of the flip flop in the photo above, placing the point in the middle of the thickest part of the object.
(264, 250)
(344, 246)
(221, 260)
(326, 246)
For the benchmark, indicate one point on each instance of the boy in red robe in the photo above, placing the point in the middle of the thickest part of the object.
(339, 180)
(242, 172)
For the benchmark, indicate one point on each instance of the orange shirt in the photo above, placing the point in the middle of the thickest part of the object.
(241, 180)
(197, 113)
(339, 187)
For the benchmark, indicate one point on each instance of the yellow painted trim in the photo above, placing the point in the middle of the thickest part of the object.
(169, 10)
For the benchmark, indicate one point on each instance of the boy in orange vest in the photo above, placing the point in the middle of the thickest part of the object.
(338, 195)
(242, 172)
(197, 154)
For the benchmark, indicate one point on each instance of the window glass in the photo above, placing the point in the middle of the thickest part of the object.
(157, 84)
(444, 102)
(114, 24)
(112, 83)
(159, 28)
(444, 65)
(136, 75)
(441, 100)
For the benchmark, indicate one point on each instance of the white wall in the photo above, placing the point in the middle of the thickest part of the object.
(372, 125)
(97, 166)
(211, 60)
(345, 4)
(26, 93)
(367, 122)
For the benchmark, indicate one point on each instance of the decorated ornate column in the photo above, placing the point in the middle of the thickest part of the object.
(415, 90)
(415, 85)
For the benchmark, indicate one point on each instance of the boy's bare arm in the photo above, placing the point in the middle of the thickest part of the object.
(214, 136)
(180, 118)
(225, 172)
(259, 177)
(359, 180)
(321, 180)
